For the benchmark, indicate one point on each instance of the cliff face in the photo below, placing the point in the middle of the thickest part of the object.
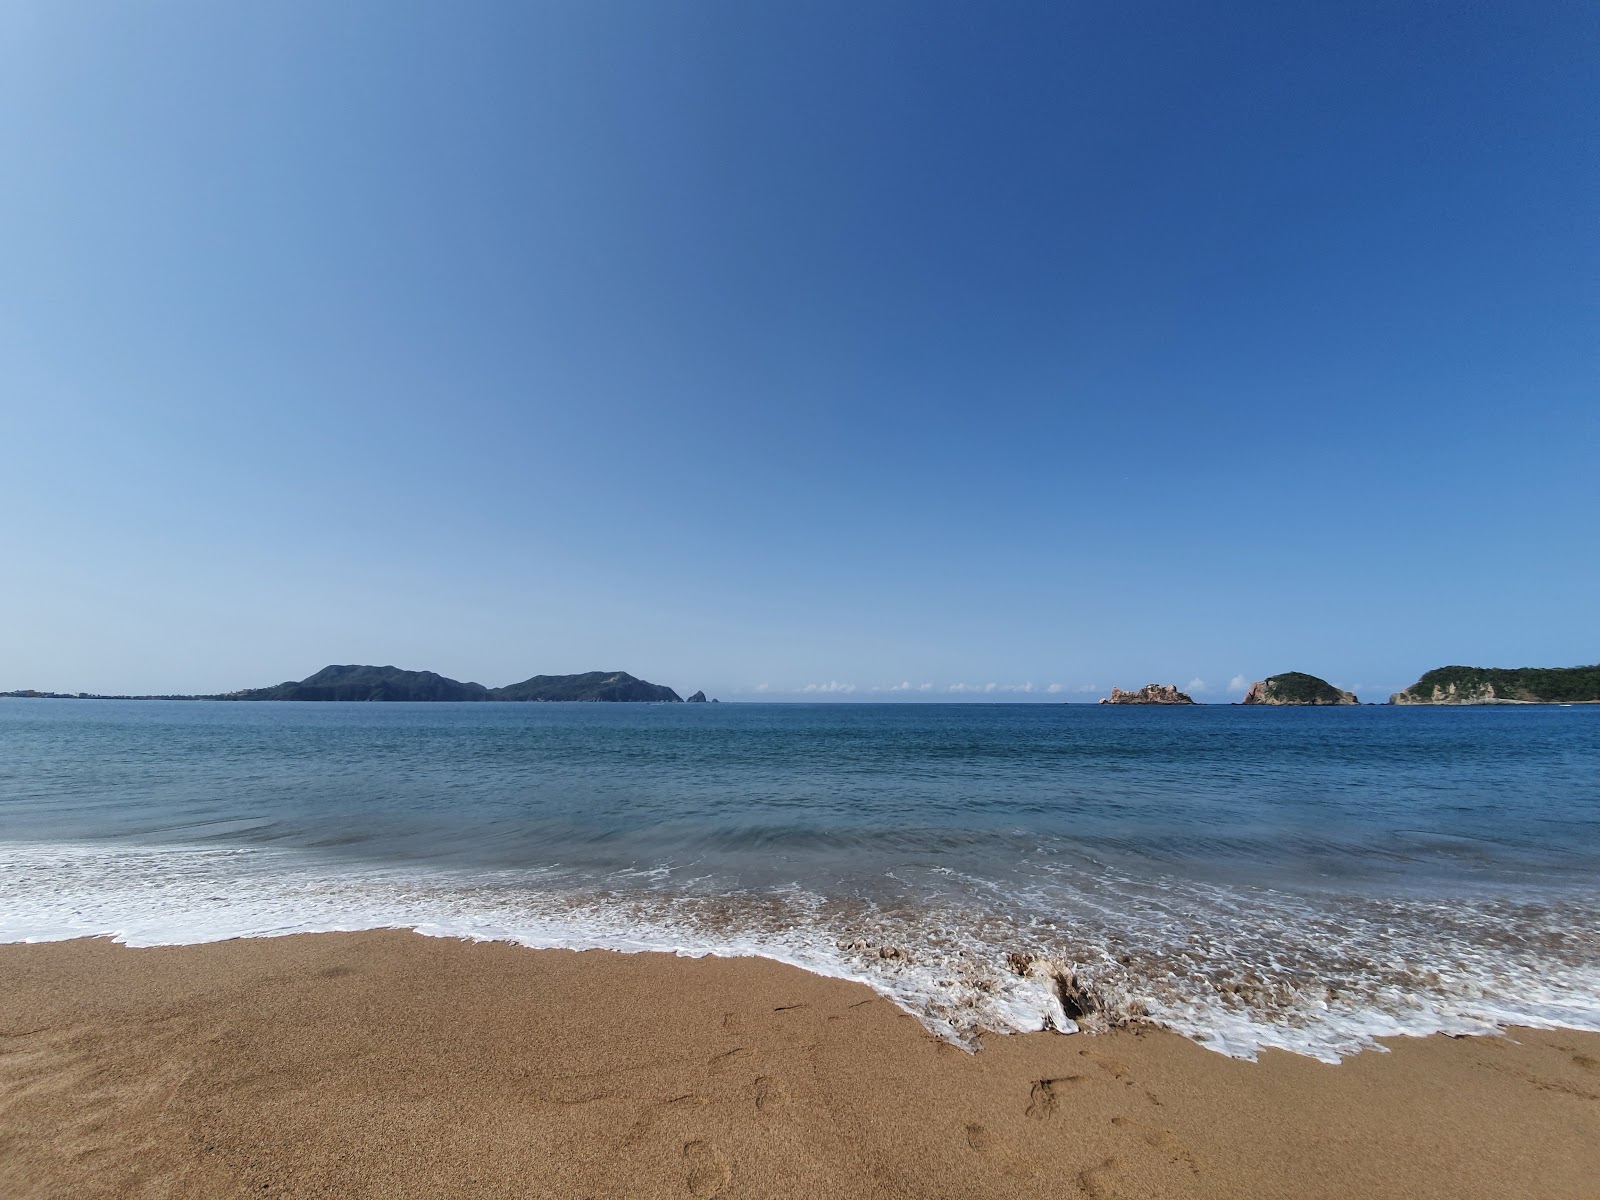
(1150, 693)
(1452, 693)
(1504, 685)
(1296, 687)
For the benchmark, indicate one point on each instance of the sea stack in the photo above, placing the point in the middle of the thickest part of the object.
(1296, 687)
(697, 698)
(1150, 693)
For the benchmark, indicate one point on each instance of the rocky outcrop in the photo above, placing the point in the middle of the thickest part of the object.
(1452, 693)
(1504, 685)
(1296, 687)
(1150, 693)
(697, 698)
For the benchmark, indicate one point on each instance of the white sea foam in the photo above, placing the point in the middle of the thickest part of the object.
(1238, 971)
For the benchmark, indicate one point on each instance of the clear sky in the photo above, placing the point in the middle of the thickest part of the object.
(786, 345)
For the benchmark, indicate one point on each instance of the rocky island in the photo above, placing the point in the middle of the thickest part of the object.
(604, 686)
(1296, 687)
(1150, 693)
(1504, 685)
(354, 682)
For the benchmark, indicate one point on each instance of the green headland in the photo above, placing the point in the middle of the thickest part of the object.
(1504, 685)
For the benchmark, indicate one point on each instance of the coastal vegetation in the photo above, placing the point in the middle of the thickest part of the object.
(1296, 687)
(1504, 685)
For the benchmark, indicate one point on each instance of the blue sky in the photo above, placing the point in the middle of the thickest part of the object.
(775, 346)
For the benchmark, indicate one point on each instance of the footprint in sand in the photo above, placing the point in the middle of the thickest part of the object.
(1113, 1067)
(1160, 1139)
(981, 1140)
(1547, 1085)
(770, 1095)
(1100, 1183)
(650, 1116)
(709, 1172)
(1047, 1095)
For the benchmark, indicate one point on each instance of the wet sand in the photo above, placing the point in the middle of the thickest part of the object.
(389, 1064)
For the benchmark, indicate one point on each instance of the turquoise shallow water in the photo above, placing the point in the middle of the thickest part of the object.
(1308, 878)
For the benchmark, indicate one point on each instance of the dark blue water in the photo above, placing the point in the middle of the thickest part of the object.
(1346, 871)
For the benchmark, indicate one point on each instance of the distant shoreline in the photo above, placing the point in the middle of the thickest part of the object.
(1453, 686)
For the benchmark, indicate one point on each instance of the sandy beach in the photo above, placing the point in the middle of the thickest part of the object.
(390, 1064)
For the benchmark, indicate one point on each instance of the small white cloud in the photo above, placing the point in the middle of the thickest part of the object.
(989, 689)
(833, 685)
(1196, 685)
(1238, 684)
(1087, 687)
(1054, 688)
(925, 687)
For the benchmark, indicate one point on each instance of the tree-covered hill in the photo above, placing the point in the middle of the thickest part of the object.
(1296, 687)
(1504, 685)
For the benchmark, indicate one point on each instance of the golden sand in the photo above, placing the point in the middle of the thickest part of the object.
(389, 1064)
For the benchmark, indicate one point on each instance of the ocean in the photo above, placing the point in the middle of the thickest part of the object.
(1307, 879)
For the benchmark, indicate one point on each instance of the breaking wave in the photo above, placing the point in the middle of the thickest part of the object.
(1237, 968)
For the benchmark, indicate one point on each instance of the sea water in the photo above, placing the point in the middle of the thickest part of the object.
(1309, 879)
